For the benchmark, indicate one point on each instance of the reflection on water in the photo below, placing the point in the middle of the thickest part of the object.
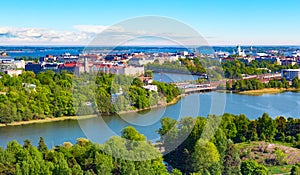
(172, 77)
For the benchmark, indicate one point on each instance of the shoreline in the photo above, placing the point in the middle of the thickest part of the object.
(65, 118)
(174, 101)
(47, 120)
(266, 91)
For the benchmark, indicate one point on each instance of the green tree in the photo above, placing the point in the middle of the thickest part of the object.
(104, 163)
(280, 156)
(76, 170)
(296, 83)
(130, 133)
(266, 127)
(206, 154)
(295, 170)
(232, 161)
(149, 73)
(251, 167)
(42, 146)
(62, 168)
(281, 125)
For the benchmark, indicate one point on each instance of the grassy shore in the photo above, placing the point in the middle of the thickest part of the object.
(46, 120)
(267, 91)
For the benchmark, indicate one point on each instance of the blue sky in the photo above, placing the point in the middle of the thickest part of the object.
(230, 22)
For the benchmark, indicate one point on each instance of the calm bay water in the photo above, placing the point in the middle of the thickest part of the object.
(147, 122)
(172, 77)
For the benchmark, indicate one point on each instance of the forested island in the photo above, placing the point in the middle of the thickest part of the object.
(51, 95)
(238, 146)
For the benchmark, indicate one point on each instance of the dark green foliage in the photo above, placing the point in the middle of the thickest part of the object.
(232, 161)
(266, 127)
(296, 83)
(295, 170)
(42, 146)
(250, 167)
(169, 91)
(149, 73)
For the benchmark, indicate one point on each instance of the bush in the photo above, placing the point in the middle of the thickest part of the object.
(289, 139)
(295, 169)
(298, 137)
(280, 157)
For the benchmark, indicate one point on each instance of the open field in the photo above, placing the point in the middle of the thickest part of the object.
(263, 152)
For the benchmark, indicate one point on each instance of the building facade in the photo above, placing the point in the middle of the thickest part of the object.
(290, 74)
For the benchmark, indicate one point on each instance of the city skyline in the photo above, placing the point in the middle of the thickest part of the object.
(221, 23)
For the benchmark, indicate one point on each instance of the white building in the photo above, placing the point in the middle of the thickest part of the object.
(20, 64)
(171, 58)
(290, 74)
(185, 53)
(140, 61)
(13, 72)
(129, 71)
(151, 87)
(134, 71)
(296, 53)
(240, 51)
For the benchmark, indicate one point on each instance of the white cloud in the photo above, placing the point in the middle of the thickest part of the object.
(92, 35)
(4, 30)
(97, 29)
(129, 34)
(35, 36)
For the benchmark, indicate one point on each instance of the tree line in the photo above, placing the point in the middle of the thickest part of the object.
(229, 69)
(135, 156)
(235, 69)
(255, 84)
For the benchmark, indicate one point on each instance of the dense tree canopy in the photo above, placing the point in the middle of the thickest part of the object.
(233, 129)
(84, 157)
(50, 94)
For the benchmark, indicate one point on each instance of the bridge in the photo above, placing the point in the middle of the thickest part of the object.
(194, 88)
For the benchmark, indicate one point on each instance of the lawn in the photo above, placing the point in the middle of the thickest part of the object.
(285, 169)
